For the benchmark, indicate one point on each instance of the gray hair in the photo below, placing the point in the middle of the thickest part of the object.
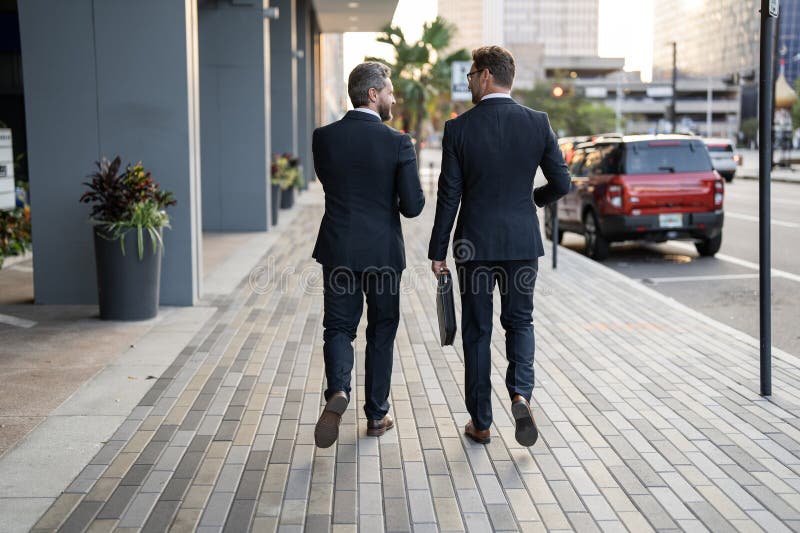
(364, 77)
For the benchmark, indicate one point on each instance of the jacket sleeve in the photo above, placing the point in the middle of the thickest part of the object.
(409, 191)
(554, 169)
(448, 198)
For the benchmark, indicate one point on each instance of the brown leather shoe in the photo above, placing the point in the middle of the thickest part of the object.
(327, 430)
(526, 432)
(481, 436)
(376, 428)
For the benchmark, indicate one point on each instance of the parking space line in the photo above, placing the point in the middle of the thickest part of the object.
(741, 262)
(751, 218)
(681, 279)
(18, 322)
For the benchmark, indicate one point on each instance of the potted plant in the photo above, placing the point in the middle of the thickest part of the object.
(128, 215)
(287, 176)
(276, 181)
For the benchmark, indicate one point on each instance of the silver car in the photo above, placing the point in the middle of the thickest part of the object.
(723, 156)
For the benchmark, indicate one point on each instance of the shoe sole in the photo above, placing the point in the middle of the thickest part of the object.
(327, 430)
(526, 432)
(378, 432)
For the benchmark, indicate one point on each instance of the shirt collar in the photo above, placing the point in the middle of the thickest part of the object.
(496, 95)
(367, 110)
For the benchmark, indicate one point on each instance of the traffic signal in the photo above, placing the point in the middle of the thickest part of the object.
(558, 91)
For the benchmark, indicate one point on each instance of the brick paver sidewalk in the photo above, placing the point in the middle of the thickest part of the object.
(649, 417)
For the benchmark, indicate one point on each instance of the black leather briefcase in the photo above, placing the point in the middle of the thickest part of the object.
(445, 308)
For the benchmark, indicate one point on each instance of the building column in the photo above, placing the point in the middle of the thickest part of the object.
(283, 78)
(234, 99)
(89, 93)
(305, 87)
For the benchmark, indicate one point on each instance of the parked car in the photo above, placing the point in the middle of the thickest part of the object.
(723, 157)
(567, 146)
(642, 187)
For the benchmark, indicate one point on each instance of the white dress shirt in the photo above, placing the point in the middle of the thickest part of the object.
(496, 95)
(367, 110)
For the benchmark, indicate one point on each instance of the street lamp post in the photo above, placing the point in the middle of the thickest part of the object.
(769, 16)
(672, 116)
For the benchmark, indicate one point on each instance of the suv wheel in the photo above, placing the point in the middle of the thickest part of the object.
(596, 245)
(548, 224)
(709, 247)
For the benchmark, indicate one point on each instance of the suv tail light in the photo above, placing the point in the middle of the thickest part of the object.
(719, 191)
(614, 194)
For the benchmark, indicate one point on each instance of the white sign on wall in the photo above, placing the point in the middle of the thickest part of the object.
(7, 200)
(459, 91)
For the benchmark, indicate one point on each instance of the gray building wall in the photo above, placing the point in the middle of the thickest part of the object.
(283, 90)
(89, 93)
(234, 74)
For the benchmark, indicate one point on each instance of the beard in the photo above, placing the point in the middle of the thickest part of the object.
(475, 96)
(385, 111)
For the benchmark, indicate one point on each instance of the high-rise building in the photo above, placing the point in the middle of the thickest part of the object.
(714, 37)
(545, 36)
(789, 41)
(478, 22)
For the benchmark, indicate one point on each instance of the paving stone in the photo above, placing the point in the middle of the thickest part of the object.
(80, 517)
(118, 502)
(161, 517)
(646, 421)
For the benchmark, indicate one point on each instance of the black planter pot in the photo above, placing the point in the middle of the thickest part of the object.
(276, 203)
(127, 288)
(287, 198)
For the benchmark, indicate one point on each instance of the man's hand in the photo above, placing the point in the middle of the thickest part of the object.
(436, 266)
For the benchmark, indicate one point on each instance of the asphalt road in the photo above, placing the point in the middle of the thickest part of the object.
(724, 287)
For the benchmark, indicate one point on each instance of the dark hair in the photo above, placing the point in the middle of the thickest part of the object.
(365, 77)
(498, 61)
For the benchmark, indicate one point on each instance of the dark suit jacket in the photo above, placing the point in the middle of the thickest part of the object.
(369, 173)
(489, 159)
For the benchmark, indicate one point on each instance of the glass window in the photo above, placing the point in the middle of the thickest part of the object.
(666, 157)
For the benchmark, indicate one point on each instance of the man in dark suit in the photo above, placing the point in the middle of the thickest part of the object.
(490, 156)
(369, 173)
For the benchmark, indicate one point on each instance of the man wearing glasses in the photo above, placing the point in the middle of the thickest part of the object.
(489, 159)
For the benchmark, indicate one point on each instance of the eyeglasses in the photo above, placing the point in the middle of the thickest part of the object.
(470, 74)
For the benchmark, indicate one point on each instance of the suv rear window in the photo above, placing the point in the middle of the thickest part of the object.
(719, 147)
(666, 157)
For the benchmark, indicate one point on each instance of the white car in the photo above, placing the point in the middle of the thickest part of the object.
(723, 156)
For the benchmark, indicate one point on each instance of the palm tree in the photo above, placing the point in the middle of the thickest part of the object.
(420, 73)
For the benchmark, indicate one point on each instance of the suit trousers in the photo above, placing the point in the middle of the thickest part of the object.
(344, 294)
(516, 281)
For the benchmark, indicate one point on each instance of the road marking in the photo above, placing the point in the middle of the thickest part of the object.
(741, 262)
(772, 200)
(751, 218)
(18, 322)
(679, 279)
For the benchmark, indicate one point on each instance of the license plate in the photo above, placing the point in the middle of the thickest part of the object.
(671, 220)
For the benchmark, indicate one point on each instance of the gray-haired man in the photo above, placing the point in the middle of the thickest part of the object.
(369, 173)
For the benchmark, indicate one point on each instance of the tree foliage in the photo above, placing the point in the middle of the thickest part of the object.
(420, 71)
(571, 113)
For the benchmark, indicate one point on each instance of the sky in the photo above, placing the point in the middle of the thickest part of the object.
(625, 31)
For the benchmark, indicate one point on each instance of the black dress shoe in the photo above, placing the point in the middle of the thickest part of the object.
(376, 428)
(481, 436)
(526, 432)
(327, 430)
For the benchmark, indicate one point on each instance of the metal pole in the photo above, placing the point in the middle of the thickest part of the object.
(618, 107)
(672, 115)
(554, 235)
(708, 108)
(769, 14)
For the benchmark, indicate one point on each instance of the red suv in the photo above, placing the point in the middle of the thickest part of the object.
(642, 187)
